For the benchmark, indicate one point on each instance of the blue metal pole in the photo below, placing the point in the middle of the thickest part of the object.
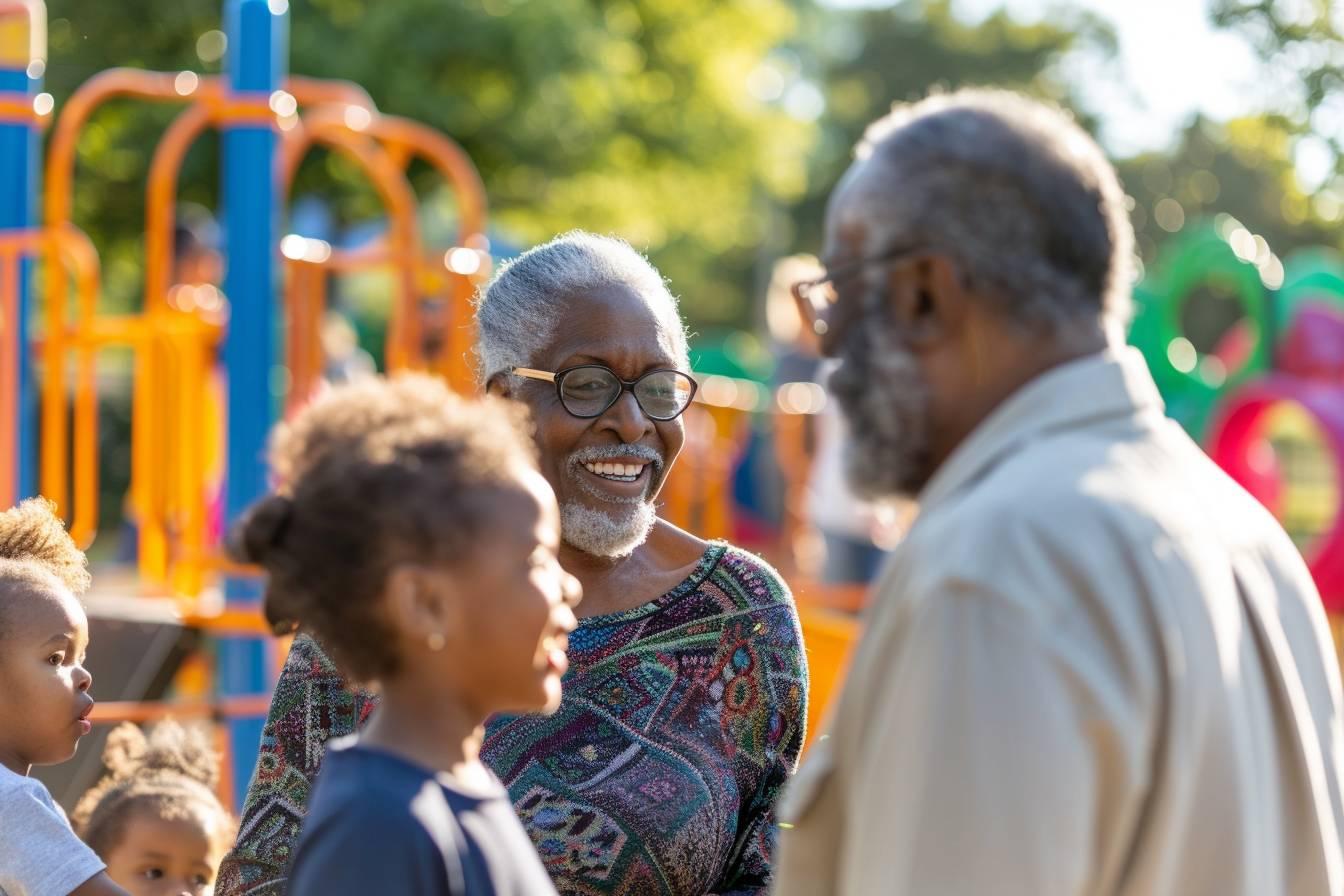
(258, 36)
(23, 53)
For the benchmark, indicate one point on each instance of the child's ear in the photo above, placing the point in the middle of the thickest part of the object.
(425, 605)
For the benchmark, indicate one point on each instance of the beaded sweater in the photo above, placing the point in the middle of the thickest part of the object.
(680, 722)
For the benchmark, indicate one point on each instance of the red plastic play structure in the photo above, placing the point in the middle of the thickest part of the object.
(1264, 396)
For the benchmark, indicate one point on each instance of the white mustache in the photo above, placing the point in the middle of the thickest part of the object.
(611, 452)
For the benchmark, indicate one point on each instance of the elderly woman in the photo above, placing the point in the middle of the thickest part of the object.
(684, 701)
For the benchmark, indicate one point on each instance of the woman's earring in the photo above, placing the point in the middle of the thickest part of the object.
(435, 641)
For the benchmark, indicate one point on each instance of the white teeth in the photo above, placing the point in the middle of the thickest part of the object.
(623, 471)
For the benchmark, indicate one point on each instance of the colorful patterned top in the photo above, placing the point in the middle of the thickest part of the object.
(680, 722)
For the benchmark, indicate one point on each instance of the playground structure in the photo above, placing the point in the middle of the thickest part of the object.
(1261, 386)
(1266, 397)
(196, 354)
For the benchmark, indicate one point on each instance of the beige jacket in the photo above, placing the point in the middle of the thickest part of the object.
(1095, 666)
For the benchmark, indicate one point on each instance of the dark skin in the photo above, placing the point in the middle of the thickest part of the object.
(970, 356)
(611, 326)
(497, 656)
(42, 668)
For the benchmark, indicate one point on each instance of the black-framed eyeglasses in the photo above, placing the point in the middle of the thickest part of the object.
(817, 298)
(588, 390)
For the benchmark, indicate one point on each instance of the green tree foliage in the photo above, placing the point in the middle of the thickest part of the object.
(870, 58)
(1301, 44)
(625, 116)
(1242, 168)
(1300, 41)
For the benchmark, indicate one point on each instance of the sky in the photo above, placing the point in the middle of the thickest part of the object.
(1173, 63)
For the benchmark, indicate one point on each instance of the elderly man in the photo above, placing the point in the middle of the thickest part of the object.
(1095, 666)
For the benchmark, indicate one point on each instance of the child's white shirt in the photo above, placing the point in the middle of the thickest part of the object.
(39, 853)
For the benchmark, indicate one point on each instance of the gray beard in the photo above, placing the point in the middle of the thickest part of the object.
(611, 535)
(886, 404)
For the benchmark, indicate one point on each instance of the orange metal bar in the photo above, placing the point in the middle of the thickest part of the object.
(159, 86)
(449, 159)
(68, 250)
(415, 139)
(376, 254)
(115, 82)
(12, 111)
(9, 7)
(153, 711)
(152, 457)
(840, 598)
(58, 200)
(231, 621)
(316, 312)
(327, 126)
(829, 639)
(316, 91)
(295, 284)
(111, 330)
(404, 139)
(161, 193)
(243, 111)
(189, 352)
(76, 248)
(305, 300)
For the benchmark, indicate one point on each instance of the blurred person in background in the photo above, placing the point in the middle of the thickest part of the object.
(830, 534)
(1095, 665)
(196, 272)
(344, 360)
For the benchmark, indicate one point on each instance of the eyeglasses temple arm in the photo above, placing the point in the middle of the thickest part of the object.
(533, 374)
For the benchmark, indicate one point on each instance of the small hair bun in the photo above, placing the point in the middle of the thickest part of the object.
(262, 530)
(168, 749)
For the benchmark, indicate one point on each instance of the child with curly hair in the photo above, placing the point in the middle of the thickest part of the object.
(416, 541)
(44, 703)
(154, 817)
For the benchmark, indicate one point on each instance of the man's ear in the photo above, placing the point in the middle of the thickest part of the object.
(499, 385)
(927, 299)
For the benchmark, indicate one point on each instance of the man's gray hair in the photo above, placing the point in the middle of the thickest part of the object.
(1016, 193)
(517, 312)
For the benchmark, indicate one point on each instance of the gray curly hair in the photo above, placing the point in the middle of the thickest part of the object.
(517, 312)
(1013, 190)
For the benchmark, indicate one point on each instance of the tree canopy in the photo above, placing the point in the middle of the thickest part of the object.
(616, 116)
(708, 132)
